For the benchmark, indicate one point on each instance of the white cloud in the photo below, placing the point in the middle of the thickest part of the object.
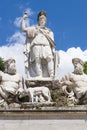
(17, 21)
(66, 59)
(15, 45)
(29, 11)
(16, 51)
(17, 37)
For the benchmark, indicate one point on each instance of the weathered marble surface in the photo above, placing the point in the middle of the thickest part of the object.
(51, 84)
(12, 89)
(10, 83)
(43, 124)
(37, 94)
(41, 59)
(74, 84)
(61, 118)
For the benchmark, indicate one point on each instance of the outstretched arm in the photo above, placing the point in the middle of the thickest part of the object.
(24, 28)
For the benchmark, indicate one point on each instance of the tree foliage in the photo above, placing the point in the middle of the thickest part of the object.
(85, 67)
(2, 68)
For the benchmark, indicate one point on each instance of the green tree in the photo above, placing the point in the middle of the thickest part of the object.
(85, 67)
(2, 68)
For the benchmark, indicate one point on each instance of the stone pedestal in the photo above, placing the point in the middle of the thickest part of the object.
(51, 84)
(62, 118)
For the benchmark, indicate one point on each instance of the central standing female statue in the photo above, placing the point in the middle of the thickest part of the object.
(39, 48)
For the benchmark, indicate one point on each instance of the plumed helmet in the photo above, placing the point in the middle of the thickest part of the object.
(77, 60)
(41, 13)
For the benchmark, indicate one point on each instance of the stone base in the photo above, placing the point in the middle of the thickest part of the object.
(64, 118)
(22, 122)
(80, 110)
(29, 105)
(51, 84)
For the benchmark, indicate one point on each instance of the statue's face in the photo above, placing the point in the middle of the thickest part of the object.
(11, 68)
(78, 68)
(42, 21)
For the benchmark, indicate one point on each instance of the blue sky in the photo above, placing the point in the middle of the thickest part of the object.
(66, 18)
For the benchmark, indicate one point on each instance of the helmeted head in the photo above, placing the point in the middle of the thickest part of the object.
(77, 60)
(10, 67)
(78, 65)
(42, 18)
(41, 13)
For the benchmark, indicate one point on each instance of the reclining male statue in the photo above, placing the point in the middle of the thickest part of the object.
(10, 82)
(74, 84)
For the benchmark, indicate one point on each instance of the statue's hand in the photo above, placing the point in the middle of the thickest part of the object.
(25, 16)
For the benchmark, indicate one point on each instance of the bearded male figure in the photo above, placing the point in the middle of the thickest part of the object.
(10, 81)
(74, 84)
